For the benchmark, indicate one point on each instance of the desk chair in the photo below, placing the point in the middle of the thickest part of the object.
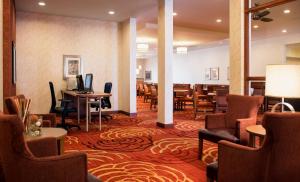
(63, 110)
(105, 102)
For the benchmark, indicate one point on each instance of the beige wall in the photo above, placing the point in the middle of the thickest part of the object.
(42, 42)
(1, 55)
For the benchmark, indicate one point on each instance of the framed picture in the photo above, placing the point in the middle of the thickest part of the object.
(72, 66)
(147, 75)
(14, 63)
(214, 73)
(207, 74)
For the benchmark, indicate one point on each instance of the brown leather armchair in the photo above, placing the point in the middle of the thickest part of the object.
(41, 162)
(49, 120)
(276, 161)
(231, 126)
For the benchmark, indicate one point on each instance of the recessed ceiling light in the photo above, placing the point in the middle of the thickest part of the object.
(174, 14)
(286, 11)
(42, 3)
(111, 12)
(218, 20)
(255, 26)
(284, 31)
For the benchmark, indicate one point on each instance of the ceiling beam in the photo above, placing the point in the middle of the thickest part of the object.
(267, 5)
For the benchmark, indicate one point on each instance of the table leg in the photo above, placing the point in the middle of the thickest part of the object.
(87, 115)
(261, 139)
(251, 140)
(78, 110)
(60, 144)
(100, 114)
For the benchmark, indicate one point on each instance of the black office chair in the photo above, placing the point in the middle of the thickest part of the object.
(63, 110)
(105, 102)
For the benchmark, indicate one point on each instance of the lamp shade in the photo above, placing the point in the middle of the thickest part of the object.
(283, 81)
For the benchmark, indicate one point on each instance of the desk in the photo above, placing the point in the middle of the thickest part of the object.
(87, 97)
(255, 130)
(57, 133)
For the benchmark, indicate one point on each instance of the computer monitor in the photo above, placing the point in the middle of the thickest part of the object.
(79, 80)
(88, 83)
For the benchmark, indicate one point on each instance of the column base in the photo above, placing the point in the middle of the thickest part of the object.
(162, 125)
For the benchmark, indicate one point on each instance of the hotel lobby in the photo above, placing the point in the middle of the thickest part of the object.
(150, 90)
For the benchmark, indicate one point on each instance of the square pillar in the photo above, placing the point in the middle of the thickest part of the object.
(165, 59)
(236, 44)
(127, 66)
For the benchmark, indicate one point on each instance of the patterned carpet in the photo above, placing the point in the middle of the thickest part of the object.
(133, 149)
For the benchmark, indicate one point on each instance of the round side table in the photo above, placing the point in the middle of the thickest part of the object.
(256, 131)
(57, 133)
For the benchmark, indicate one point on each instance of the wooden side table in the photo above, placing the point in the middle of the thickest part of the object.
(256, 131)
(57, 133)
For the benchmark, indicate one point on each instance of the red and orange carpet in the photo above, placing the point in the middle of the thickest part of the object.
(134, 149)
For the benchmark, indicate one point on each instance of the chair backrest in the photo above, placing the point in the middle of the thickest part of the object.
(283, 146)
(107, 87)
(221, 95)
(53, 98)
(240, 107)
(153, 91)
(12, 105)
(13, 149)
(105, 101)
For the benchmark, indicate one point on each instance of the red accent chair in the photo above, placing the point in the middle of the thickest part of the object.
(37, 160)
(276, 161)
(231, 126)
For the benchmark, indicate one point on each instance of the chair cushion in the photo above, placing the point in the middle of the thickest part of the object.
(215, 135)
(92, 178)
(212, 171)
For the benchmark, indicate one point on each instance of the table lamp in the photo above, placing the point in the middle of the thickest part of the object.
(283, 81)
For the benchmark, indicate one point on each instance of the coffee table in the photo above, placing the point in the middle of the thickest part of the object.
(57, 133)
(256, 131)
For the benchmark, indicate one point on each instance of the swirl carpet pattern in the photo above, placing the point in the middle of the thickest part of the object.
(134, 149)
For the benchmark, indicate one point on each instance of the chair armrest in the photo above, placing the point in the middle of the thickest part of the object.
(214, 121)
(43, 147)
(241, 126)
(240, 163)
(49, 117)
(68, 167)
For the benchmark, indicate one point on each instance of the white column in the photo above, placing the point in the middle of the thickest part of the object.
(127, 66)
(165, 58)
(236, 39)
(1, 55)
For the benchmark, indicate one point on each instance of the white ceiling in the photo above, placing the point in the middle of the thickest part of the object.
(194, 25)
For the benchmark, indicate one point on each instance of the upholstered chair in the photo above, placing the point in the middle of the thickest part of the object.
(49, 120)
(276, 161)
(221, 102)
(231, 126)
(40, 162)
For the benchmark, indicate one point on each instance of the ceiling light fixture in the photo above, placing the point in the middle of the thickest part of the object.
(255, 26)
(111, 12)
(181, 50)
(286, 11)
(42, 3)
(174, 14)
(284, 31)
(218, 20)
(142, 47)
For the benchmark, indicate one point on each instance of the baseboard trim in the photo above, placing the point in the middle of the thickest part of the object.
(127, 113)
(162, 125)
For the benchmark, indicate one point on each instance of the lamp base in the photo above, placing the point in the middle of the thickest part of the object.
(291, 108)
